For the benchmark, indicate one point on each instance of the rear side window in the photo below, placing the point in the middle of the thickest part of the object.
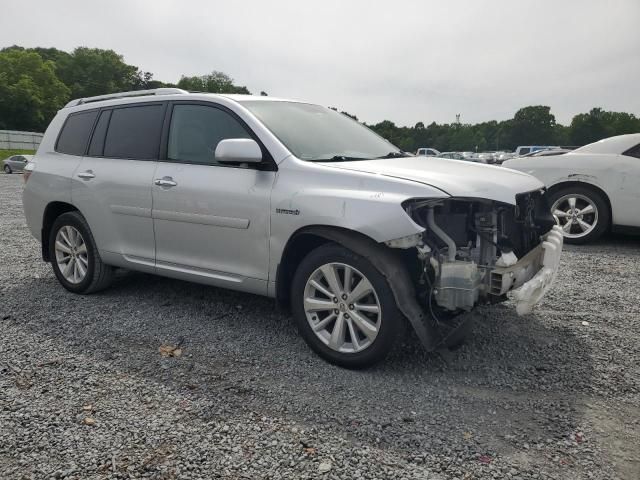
(633, 152)
(75, 133)
(196, 130)
(134, 132)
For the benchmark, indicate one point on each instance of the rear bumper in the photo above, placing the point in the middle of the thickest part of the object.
(529, 279)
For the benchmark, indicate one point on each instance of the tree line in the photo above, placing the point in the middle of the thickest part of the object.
(533, 125)
(36, 82)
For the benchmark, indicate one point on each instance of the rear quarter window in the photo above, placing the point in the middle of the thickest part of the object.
(75, 132)
(633, 152)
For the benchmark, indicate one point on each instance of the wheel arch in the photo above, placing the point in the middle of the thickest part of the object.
(386, 260)
(300, 243)
(52, 211)
(590, 186)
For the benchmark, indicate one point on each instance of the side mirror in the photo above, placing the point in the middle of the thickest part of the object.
(243, 150)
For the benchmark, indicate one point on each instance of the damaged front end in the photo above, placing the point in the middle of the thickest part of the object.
(475, 251)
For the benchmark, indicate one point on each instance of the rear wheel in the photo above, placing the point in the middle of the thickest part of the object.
(581, 212)
(344, 307)
(74, 255)
(7, 169)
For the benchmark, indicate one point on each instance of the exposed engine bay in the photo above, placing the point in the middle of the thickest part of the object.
(476, 250)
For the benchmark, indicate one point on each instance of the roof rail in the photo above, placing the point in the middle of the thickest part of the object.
(134, 93)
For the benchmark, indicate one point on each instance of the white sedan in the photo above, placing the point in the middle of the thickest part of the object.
(593, 188)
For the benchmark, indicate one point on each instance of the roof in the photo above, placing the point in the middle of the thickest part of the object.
(617, 144)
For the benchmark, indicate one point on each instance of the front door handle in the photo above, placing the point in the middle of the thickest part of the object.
(87, 175)
(165, 182)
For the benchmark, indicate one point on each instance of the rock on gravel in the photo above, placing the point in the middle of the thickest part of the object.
(89, 390)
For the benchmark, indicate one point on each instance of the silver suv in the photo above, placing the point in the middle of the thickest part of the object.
(290, 200)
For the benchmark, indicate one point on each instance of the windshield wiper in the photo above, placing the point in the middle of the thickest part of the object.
(395, 155)
(343, 158)
(340, 158)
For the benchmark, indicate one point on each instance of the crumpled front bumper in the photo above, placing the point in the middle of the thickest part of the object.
(529, 279)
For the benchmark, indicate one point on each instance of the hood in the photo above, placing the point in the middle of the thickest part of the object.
(455, 177)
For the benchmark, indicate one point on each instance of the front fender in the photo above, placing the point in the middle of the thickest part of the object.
(577, 177)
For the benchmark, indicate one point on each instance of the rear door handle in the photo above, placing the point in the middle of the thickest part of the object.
(88, 175)
(165, 182)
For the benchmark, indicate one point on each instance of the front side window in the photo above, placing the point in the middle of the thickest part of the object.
(134, 132)
(196, 130)
(316, 133)
(75, 133)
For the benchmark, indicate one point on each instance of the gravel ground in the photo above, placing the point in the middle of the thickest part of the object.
(85, 392)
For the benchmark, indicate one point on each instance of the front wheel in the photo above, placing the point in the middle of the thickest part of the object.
(344, 307)
(581, 212)
(7, 169)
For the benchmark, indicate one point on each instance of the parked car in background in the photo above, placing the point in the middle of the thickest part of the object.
(467, 156)
(427, 152)
(290, 200)
(16, 163)
(523, 150)
(451, 155)
(504, 156)
(489, 157)
(547, 153)
(593, 188)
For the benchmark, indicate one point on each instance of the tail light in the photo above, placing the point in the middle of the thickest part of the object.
(28, 169)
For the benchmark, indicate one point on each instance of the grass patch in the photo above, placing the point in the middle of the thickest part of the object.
(8, 153)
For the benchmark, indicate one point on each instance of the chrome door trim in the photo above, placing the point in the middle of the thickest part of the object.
(133, 211)
(201, 219)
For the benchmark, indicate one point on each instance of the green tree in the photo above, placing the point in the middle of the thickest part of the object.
(30, 92)
(215, 82)
(93, 71)
(534, 125)
(344, 113)
(598, 124)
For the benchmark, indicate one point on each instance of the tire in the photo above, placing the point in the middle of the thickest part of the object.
(98, 276)
(7, 170)
(367, 349)
(582, 197)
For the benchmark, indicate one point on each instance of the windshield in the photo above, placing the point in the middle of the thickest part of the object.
(316, 133)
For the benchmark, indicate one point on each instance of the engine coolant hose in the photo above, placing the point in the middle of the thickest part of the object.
(442, 235)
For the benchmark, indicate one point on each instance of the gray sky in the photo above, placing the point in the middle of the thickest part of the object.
(401, 60)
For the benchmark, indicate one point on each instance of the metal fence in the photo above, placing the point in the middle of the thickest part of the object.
(14, 140)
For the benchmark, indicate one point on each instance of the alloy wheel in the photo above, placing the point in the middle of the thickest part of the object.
(576, 214)
(342, 308)
(71, 254)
